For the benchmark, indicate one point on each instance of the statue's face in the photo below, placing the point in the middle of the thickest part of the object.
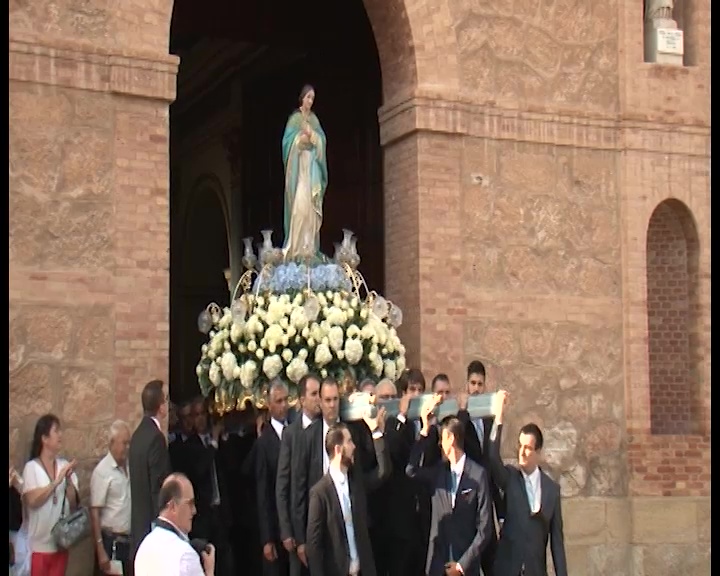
(308, 100)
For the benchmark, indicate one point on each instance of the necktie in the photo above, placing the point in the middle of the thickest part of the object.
(453, 486)
(480, 429)
(453, 493)
(530, 489)
(349, 526)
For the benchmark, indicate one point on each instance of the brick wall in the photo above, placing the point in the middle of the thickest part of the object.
(673, 390)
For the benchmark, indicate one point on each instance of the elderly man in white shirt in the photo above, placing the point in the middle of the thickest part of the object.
(167, 550)
(110, 503)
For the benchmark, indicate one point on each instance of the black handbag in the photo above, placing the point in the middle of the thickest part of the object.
(71, 529)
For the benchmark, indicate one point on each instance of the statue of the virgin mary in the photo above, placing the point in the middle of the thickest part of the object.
(306, 178)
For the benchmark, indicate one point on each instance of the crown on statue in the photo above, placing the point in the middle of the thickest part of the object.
(292, 317)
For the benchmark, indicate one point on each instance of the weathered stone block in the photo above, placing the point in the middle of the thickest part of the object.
(31, 392)
(584, 521)
(664, 520)
(88, 395)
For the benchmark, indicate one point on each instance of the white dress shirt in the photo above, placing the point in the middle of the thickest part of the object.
(165, 553)
(326, 457)
(278, 427)
(110, 492)
(532, 488)
(340, 481)
(457, 468)
(305, 421)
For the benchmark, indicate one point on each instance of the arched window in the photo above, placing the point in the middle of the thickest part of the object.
(673, 321)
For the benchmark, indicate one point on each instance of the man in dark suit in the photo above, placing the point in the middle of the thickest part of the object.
(461, 520)
(533, 513)
(338, 540)
(477, 440)
(213, 513)
(395, 534)
(275, 557)
(149, 463)
(310, 461)
(309, 401)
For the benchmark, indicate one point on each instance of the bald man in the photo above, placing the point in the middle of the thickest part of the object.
(167, 550)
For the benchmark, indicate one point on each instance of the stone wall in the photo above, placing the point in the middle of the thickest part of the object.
(526, 148)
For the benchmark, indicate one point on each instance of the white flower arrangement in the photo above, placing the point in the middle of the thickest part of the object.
(331, 333)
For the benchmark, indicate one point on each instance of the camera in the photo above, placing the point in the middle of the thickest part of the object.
(200, 546)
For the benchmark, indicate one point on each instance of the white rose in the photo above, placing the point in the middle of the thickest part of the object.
(260, 353)
(211, 355)
(298, 319)
(252, 346)
(323, 373)
(214, 374)
(322, 300)
(390, 369)
(336, 317)
(228, 363)
(340, 355)
(199, 370)
(297, 301)
(226, 345)
(284, 323)
(260, 301)
(287, 355)
(354, 302)
(303, 354)
(204, 348)
(285, 340)
(350, 313)
(237, 372)
(272, 365)
(291, 331)
(306, 332)
(296, 370)
(322, 355)
(353, 351)
(335, 338)
(352, 331)
(226, 319)
(363, 313)
(236, 332)
(274, 334)
(311, 342)
(248, 373)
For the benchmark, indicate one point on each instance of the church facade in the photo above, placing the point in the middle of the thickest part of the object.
(546, 207)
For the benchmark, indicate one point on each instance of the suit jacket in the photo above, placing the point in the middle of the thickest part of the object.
(307, 465)
(285, 480)
(266, 466)
(477, 450)
(465, 529)
(326, 543)
(149, 465)
(524, 536)
(398, 495)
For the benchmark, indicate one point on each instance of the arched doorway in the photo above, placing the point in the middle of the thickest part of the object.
(199, 255)
(242, 66)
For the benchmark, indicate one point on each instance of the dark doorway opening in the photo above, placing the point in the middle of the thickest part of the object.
(242, 67)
